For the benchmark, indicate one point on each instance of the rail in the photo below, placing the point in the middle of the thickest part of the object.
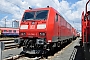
(15, 57)
(6, 40)
(7, 44)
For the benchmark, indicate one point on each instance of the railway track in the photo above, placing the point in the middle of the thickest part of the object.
(9, 43)
(6, 40)
(31, 57)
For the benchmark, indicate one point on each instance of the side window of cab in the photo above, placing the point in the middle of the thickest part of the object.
(88, 17)
(56, 17)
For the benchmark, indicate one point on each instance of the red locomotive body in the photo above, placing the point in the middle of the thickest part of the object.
(44, 29)
(86, 32)
(74, 33)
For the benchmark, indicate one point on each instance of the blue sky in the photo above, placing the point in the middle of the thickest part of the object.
(72, 1)
(2, 15)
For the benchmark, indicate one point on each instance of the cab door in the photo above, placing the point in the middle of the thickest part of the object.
(56, 29)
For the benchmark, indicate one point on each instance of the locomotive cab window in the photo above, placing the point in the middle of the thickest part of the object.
(10, 30)
(5, 30)
(41, 14)
(14, 30)
(36, 15)
(88, 17)
(28, 16)
(56, 17)
(84, 18)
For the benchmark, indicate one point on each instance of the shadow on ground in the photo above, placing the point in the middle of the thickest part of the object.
(78, 53)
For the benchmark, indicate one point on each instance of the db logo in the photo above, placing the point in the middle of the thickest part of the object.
(32, 26)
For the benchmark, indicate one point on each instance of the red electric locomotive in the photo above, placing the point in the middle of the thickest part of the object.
(43, 29)
(78, 34)
(86, 32)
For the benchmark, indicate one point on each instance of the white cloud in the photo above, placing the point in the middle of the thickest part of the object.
(71, 12)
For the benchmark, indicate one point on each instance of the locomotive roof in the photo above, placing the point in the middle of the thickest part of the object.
(38, 9)
(47, 8)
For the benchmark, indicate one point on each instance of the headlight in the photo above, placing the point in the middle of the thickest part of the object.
(23, 33)
(42, 34)
(24, 27)
(41, 26)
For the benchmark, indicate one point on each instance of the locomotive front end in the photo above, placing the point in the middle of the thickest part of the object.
(33, 30)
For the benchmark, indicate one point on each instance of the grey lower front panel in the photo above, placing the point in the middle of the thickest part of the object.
(34, 51)
(61, 38)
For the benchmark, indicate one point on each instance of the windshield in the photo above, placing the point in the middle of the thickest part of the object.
(41, 14)
(36, 15)
(29, 15)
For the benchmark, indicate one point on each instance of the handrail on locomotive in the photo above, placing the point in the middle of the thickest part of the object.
(86, 5)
